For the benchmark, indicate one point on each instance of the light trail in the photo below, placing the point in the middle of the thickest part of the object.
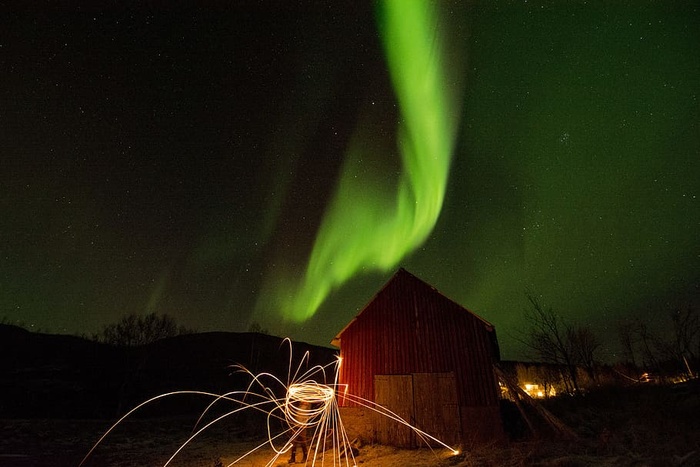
(309, 404)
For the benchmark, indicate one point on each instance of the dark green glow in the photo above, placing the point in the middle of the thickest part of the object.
(580, 167)
(175, 178)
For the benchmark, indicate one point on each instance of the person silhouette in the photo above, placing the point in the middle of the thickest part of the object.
(299, 425)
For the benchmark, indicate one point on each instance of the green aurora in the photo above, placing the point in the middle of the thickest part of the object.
(230, 166)
(575, 176)
(375, 220)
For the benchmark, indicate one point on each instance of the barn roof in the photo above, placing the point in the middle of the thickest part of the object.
(403, 276)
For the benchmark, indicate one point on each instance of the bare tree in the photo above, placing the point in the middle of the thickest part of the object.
(133, 330)
(584, 345)
(666, 352)
(550, 340)
(686, 332)
(682, 346)
(627, 333)
(566, 346)
(649, 344)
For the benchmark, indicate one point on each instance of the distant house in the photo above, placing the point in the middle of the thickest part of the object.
(426, 358)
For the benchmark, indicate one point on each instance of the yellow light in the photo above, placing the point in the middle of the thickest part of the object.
(307, 404)
(534, 390)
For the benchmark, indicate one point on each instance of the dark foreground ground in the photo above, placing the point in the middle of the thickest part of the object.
(638, 426)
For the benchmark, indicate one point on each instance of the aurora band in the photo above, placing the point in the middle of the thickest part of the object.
(364, 227)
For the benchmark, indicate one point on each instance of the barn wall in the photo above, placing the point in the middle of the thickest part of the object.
(358, 423)
(411, 328)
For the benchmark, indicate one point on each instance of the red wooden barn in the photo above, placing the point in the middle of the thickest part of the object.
(426, 358)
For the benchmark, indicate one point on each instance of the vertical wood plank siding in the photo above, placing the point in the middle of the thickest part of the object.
(409, 327)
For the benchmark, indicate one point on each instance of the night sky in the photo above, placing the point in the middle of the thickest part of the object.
(277, 163)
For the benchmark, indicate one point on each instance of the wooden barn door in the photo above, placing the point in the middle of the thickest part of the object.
(394, 392)
(426, 400)
(436, 406)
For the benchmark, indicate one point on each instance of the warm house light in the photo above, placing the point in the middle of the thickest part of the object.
(537, 392)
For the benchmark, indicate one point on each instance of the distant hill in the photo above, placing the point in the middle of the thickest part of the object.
(48, 375)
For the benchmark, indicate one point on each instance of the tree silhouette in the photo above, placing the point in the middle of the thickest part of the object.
(133, 330)
(554, 341)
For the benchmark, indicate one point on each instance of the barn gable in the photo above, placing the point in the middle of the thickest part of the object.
(409, 328)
